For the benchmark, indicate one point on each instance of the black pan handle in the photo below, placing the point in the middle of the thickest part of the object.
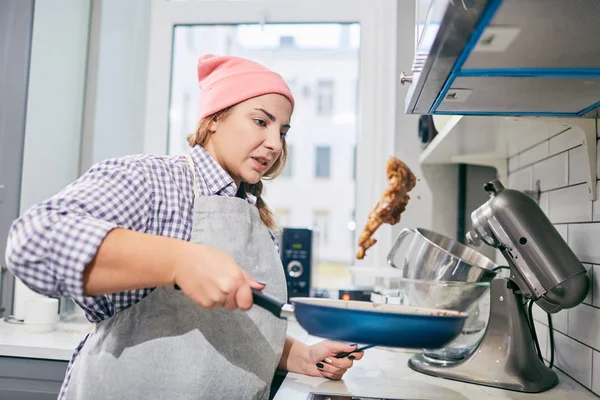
(268, 302)
(347, 353)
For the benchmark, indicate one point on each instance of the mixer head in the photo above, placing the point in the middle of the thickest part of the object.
(542, 264)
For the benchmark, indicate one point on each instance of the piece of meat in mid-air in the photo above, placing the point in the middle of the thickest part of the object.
(401, 180)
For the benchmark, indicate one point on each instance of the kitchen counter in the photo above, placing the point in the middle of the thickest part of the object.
(381, 373)
(384, 373)
(16, 341)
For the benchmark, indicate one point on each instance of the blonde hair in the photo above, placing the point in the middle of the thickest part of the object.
(200, 137)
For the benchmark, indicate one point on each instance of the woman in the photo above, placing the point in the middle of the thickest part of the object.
(118, 239)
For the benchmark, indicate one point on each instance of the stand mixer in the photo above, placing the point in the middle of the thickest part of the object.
(543, 269)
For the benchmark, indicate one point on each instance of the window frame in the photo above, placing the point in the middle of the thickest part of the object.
(377, 108)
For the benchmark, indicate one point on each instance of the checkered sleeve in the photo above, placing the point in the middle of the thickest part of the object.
(50, 245)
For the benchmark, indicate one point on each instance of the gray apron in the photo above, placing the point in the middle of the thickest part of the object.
(166, 347)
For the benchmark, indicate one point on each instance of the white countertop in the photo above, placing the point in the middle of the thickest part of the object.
(381, 373)
(384, 373)
(16, 341)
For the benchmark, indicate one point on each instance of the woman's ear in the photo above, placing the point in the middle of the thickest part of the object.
(212, 126)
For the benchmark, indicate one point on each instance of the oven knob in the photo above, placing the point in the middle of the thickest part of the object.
(294, 269)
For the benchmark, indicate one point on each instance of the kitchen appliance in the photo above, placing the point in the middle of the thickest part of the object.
(543, 269)
(388, 325)
(472, 298)
(296, 257)
(427, 130)
(501, 57)
(355, 293)
(432, 256)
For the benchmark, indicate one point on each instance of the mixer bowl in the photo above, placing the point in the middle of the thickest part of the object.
(470, 297)
(435, 257)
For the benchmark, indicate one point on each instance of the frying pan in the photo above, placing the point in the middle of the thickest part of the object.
(387, 325)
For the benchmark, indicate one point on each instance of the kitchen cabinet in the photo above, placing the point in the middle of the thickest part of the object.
(502, 57)
(30, 378)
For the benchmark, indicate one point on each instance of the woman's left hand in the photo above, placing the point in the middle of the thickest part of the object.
(320, 360)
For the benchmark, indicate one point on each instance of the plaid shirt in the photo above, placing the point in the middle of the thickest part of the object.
(50, 245)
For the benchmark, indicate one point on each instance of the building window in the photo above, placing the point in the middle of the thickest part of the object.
(325, 97)
(287, 171)
(322, 158)
(283, 217)
(321, 226)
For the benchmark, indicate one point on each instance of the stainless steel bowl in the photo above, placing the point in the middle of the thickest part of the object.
(435, 257)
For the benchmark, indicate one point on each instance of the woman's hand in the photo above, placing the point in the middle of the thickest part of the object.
(321, 361)
(212, 278)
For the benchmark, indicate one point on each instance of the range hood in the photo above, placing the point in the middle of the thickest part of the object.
(507, 57)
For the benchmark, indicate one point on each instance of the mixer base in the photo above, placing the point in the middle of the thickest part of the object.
(506, 357)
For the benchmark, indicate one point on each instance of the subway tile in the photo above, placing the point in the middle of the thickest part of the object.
(574, 358)
(570, 204)
(544, 203)
(566, 140)
(589, 299)
(540, 315)
(563, 230)
(560, 321)
(583, 240)
(596, 373)
(584, 325)
(513, 163)
(541, 332)
(552, 172)
(578, 169)
(534, 154)
(596, 286)
(524, 135)
(521, 180)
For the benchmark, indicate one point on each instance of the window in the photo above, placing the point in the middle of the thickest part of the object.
(321, 227)
(320, 54)
(287, 172)
(283, 217)
(325, 97)
(322, 160)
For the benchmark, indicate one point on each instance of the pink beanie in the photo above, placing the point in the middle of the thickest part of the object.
(225, 81)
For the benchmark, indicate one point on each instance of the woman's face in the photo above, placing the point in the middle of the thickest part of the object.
(249, 139)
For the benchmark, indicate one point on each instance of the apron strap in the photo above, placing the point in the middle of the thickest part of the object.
(192, 166)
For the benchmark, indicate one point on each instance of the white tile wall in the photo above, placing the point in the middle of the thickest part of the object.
(565, 141)
(573, 358)
(578, 167)
(596, 286)
(560, 321)
(590, 273)
(521, 180)
(563, 230)
(570, 204)
(513, 163)
(557, 159)
(534, 154)
(583, 239)
(596, 372)
(552, 172)
(584, 325)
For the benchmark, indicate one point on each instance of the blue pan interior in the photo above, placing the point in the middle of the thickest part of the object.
(388, 329)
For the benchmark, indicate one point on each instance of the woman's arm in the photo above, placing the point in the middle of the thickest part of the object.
(293, 358)
(319, 359)
(51, 245)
